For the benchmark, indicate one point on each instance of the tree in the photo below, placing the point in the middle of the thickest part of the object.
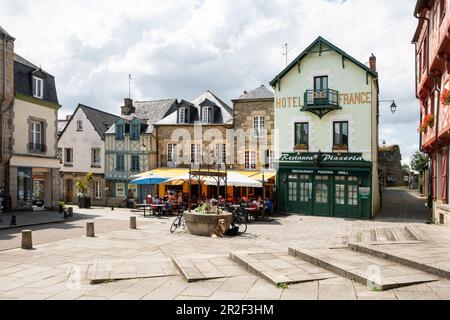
(83, 184)
(406, 168)
(419, 161)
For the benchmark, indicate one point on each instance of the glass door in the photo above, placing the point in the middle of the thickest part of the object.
(340, 196)
(305, 194)
(24, 187)
(292, 193)
(321, 205)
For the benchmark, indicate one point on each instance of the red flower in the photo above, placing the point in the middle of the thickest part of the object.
(445, 97)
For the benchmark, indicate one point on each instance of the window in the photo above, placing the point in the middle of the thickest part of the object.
(38, 87)
(268, 163)
(424, 54)
(95, 157)
(36, 132)
(120, 130)
(120, 162)
(258, 126)
(120, 190)
(353, 195)
(132, 190)
(320, 83)
(134, 131)
(135, 163)
(340, 135)
(171, 152)
(292, 188)
(195, 153)
(68, 156)
(340, 190)
(79, 125)
(207, 114)
(97, 190)
(220, 153)
(305, 191)
(301, 134)
(250, 160)
(59, 155)
(182, 115)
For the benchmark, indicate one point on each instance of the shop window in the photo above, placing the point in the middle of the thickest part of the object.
(340, 193)
(340, 135)
(305, 191)
(321, 193)
(301, 134)
(292, 188)
(353, 195)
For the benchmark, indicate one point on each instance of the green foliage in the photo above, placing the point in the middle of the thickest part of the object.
(84, 183)
(61, 203)
(419, 161)
(282, 285)
(207, 209)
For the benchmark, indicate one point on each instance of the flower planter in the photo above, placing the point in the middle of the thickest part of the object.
(84, 202)
(204, 224)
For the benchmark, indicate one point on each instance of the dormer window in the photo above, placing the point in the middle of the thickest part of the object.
(135, 128)
(182, 115)
(38, 88)
(120, 131)
(207, 114)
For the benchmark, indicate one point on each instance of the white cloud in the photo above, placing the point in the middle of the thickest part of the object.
(180, 48)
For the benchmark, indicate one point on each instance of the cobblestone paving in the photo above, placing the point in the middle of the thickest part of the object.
(59, 267)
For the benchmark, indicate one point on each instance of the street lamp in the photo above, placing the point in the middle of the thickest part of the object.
(393, 105)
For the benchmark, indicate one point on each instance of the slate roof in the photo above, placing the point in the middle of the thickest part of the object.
(23, 72)
(152, 111)
(102, 121)
(3, 31)
(62, 125)
(261, 92)
(226, 115)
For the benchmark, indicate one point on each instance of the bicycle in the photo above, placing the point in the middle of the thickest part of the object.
(240, 220)
(179, 222)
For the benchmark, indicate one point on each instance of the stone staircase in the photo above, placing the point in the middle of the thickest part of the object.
(385, 235)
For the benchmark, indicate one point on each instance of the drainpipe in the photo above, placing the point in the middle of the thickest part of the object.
(3, 98)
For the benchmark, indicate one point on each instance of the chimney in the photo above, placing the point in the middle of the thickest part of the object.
(245, 92)
(373, 62)
(128, 107)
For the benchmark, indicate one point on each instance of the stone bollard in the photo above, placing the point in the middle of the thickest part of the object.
(27, 240)
(70, 211)
(133, 223)
(90, 232)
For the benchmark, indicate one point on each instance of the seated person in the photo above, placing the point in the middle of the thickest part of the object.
(149, 199)
(268, 208)
(230, 198)
(244, 199)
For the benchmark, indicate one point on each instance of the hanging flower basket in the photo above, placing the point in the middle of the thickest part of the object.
(429, 120)
(445, 97)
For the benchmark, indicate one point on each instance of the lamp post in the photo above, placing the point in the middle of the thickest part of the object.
(393, 106)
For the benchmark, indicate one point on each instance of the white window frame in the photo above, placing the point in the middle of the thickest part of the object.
(171, 152)
(36, 131)
(38, 87)
(95, 155)
(259, 123)
(182, 113)
(79, 125)
(270, 157)
(206, 114)
(221, 153)
(195, 153)
(250, 160)
(97, 189)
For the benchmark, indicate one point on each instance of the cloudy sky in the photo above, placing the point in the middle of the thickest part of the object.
(178, 49)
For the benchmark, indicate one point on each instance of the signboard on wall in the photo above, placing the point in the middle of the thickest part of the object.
(325, 157)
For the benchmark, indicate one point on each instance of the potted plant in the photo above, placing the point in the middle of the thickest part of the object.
(61, 205)
(445, 97)
(84, 200)
(204, 220)
(301, 146)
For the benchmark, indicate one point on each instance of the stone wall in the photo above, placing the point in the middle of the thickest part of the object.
(390, 166)
(244, 112)
(441, 214)
(6, 102)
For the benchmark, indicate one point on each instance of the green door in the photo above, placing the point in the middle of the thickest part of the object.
(340, 196)
(305, 194)
(321, 195)
(292, 193)
(352, 198)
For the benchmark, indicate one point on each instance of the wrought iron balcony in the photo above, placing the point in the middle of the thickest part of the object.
(35, 147)
(320, 102)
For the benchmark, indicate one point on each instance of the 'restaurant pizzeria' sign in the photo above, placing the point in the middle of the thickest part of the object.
(325, 157)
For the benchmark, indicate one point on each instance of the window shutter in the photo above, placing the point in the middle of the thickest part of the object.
(444, 175)
(434, 176)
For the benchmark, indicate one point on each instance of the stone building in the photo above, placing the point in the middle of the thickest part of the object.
(390, 166)
(29, 121)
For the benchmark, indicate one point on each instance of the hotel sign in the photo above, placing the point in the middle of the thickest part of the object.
(344, 99)
(326, 157)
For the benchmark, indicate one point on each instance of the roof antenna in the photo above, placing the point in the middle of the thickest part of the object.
(129, 85)
(285, 53)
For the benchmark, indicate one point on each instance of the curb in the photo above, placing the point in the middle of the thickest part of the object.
(34, 224)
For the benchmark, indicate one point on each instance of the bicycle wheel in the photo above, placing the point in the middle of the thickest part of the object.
(241, 223)
(183, 223)
(174, 225)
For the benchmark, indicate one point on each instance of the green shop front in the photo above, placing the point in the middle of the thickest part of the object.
(324, 184)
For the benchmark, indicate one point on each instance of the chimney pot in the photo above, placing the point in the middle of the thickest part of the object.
(373, 62)
(128, 107)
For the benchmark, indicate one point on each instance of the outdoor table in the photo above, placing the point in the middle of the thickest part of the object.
(158, 208)
(144, 205)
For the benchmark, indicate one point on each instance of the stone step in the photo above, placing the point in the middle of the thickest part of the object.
(376, 273)
(199, 268)
(408, 234)
(279, 267)
(440, 267)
